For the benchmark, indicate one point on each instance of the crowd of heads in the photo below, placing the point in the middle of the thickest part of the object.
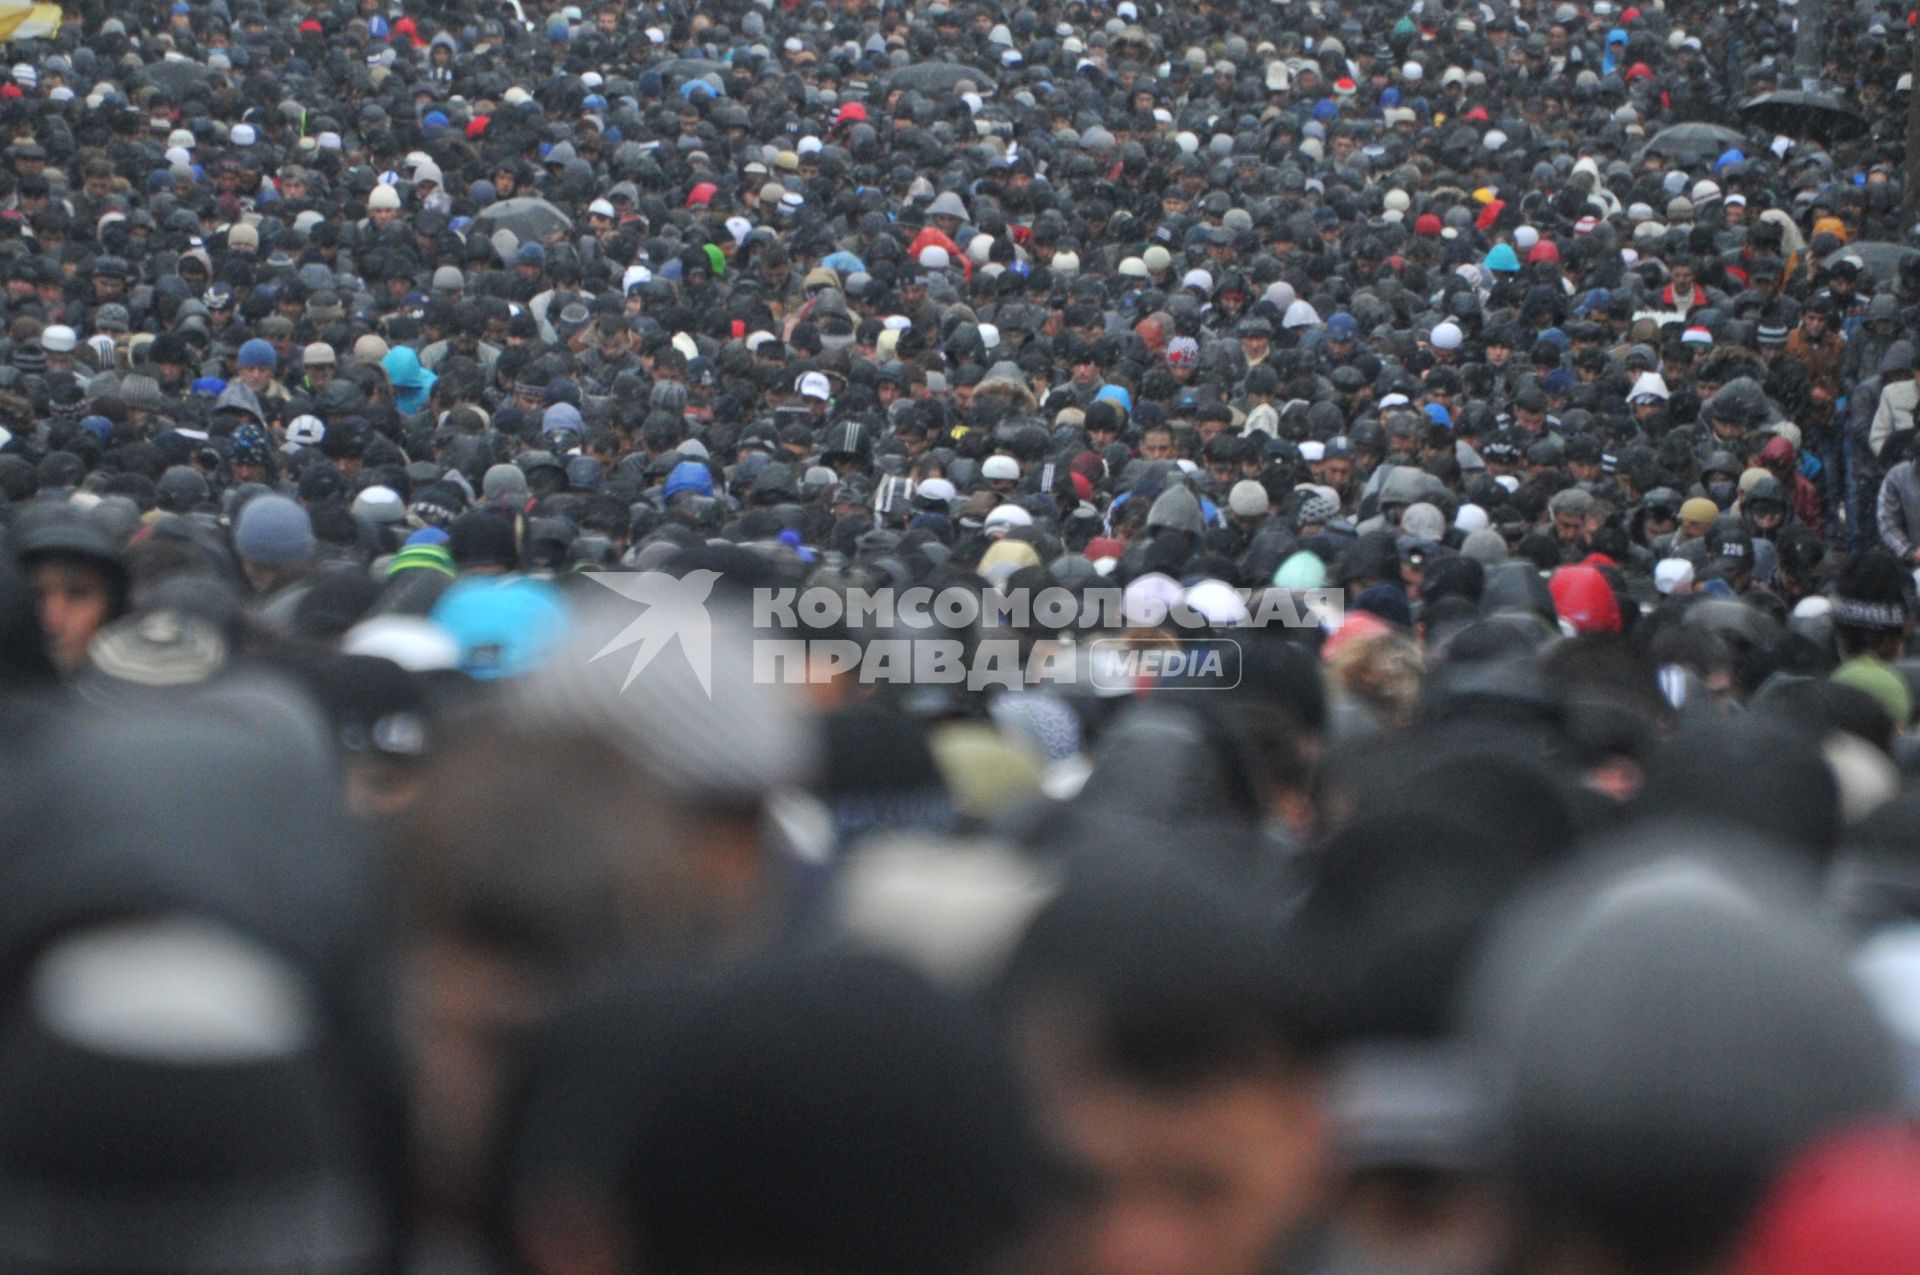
(1409, 769)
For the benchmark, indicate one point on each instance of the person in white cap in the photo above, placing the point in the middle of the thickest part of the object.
(59, 341)
(1673, 577)
(383, 205)
(815, 392)
(602, 220)
(1001, 474)
(1003, 518)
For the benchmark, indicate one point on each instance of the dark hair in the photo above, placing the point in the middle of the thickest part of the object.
(1166, 968)
(784, 1104)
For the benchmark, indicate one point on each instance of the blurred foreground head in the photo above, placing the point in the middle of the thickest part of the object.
(598, 802)
(194, 1074)
(806, 1114)
(829, 1114)
(1676, 1023)
(1183, 1107)
(589, 812)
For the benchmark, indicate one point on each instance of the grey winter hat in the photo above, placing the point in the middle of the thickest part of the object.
(1485, 547)
(947, 204)
(1176, 510)
(1675, 1021)
(1248, 499)
(1424, 521)
(142, 392)
(503, 480)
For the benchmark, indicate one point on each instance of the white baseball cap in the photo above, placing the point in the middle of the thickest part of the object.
(1009, 516)
(1671, 575)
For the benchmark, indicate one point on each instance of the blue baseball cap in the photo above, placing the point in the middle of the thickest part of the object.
(504, 625)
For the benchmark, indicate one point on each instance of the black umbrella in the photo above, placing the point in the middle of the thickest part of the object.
(1798, 114)
(691, 68)
(1880, 261)
(175, 76)
(1692, 143)
(940, 77)
(530, 220)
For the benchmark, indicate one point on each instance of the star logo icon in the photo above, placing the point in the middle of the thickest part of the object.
(676, 610)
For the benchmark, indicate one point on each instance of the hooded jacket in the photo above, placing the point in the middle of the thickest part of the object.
(411, 382)
(1177, 509)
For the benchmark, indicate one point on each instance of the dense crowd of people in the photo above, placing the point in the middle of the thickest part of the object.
(473, 804)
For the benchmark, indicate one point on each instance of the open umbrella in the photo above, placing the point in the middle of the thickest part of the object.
(940, 77)
(530, 220)
(691, 68)
(176, 76)
(1797, 114)
(1880, 261)
(1694, 142)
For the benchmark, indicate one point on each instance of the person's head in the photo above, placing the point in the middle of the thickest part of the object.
(1696, 516)
(1570, 510)
(150, 806)
(1530, 410)
(1660, 514)
(495, 929)
(845, 1073)
(319, 362)
(1156, 443)
(273, 538)
(256, 363)
(78, 578)
(1002, 474)
(1871, 611)
(1336, 470)
(1144, 1006)
(1657, 1080)
(383, 205)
